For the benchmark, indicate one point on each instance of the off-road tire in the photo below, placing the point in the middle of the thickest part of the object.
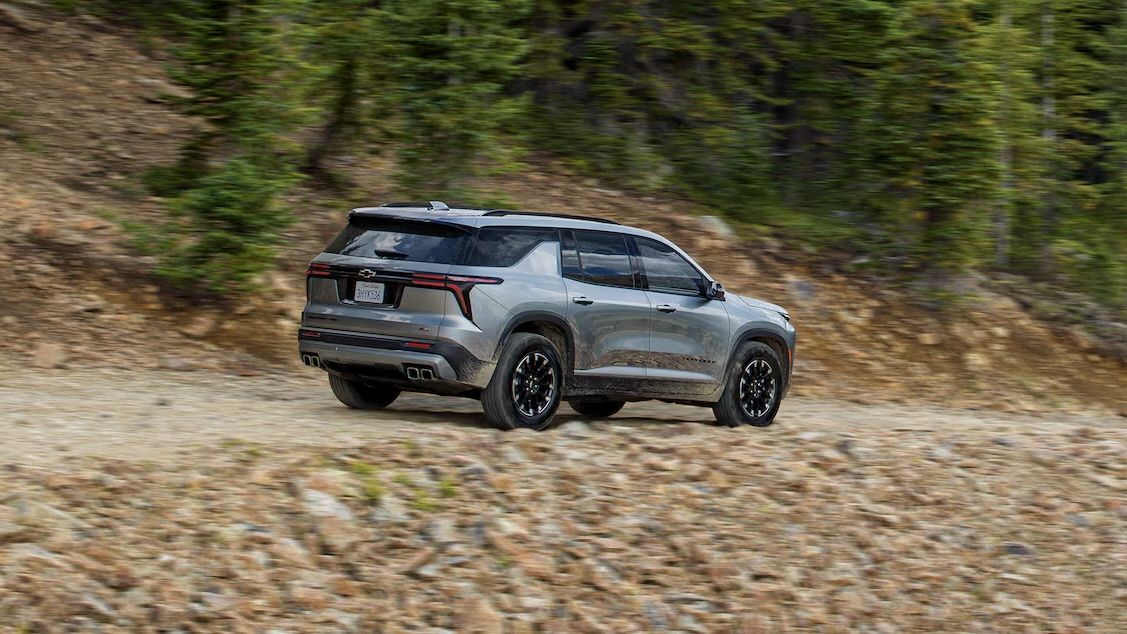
(597, 409)
(499, 399)
(358, 395)
(730, 410)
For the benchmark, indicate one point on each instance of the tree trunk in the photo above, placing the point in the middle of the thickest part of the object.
(342, 118)
(1048, 136)
(1005, 199)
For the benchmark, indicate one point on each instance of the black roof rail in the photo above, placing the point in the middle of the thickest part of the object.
(546, 214)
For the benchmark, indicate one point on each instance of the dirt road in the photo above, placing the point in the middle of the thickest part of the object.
(153, 415)
(248, 504)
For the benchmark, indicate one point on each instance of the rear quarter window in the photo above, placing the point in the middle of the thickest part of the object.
(505, 246)
(400, 240)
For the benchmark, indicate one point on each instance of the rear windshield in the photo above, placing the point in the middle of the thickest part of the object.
(399, 240)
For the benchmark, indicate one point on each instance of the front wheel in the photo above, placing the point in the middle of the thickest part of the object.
(597, 409)
(358, 395)
(753, 389)
(525, 388)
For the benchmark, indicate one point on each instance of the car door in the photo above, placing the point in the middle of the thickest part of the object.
(606, 307)
(688, 331)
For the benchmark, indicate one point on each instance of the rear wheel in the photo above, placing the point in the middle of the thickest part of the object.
(753, 389)
(597, 409)
(525, 388)
(359, 395)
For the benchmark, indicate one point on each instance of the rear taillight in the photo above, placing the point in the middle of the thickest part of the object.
(460, 285)
(318, 269)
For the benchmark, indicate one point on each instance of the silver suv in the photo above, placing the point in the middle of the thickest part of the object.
(522, 310)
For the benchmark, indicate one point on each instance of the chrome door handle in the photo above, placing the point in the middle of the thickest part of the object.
(582, 300)
(667, 308)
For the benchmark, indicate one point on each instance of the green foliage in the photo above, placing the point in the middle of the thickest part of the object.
(9, 117)
(930, 136)
(371, 489)
(231, 222)
(447, 487)
(10, 128)
(242, 62)
(656, 93)
(935, 137)
(345, 44)
(1106, 276)
(423, 502)
(147, 239)
(362, 469)
(448, 63)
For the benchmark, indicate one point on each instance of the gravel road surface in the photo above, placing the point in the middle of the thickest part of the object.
(153, 415)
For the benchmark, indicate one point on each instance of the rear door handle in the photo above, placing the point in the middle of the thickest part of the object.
(667, 308)
(582, 300)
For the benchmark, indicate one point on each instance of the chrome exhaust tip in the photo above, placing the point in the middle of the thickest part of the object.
(412, 373)
(426, 374)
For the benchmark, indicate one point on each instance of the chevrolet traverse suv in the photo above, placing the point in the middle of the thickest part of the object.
(524, 310)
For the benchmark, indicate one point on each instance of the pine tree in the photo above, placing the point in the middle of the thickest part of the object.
(241, 61)
(346, 43)
(1012, 55)
(1108, 278)
(451, 61)
(939, 134)
(1070, 91)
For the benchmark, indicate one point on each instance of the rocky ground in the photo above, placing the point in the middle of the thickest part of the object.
(157, 501)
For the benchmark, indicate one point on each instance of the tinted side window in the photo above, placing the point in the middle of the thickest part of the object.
(666, 270)
(604, 258)
(399, 240)
(505, 246)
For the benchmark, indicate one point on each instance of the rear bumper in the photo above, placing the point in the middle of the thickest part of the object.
(391, 357)
(331, 354)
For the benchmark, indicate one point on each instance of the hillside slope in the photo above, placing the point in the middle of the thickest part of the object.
(83, 113)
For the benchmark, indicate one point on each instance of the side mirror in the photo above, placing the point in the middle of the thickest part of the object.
(715, 291)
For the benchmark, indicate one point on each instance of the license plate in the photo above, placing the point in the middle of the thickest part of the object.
(371, 292)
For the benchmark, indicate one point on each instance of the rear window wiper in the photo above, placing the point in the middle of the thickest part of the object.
(390, 255)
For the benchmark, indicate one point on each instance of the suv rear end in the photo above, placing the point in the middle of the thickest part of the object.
(380, 295)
